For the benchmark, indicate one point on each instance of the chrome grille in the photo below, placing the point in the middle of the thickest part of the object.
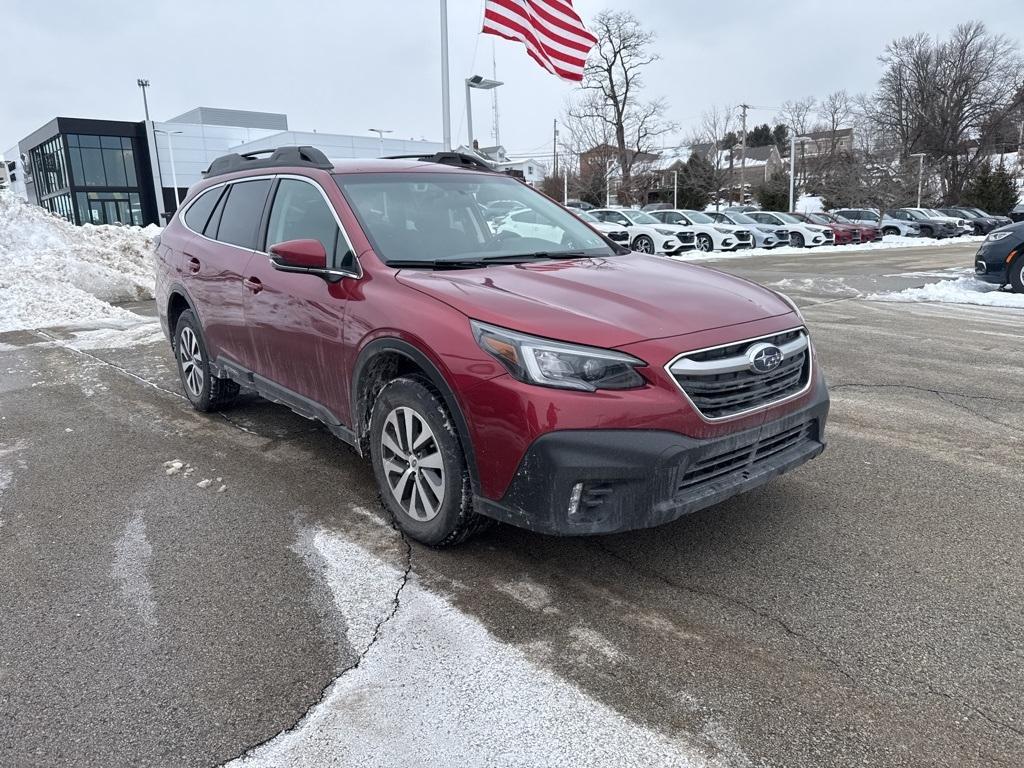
(721, 383)
(619, 237)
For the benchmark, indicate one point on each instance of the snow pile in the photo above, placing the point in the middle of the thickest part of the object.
(54, 273)
(810, 204)
(963, 290)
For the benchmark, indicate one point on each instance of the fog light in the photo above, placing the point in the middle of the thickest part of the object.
(574, 499)
(980, 268)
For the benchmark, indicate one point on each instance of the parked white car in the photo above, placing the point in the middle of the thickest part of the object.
(647, 234)
(765, 236)
(709, 235)
(611, 231)
(801, 234)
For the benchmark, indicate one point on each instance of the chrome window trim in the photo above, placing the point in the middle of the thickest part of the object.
(756, 409)
(348, 241)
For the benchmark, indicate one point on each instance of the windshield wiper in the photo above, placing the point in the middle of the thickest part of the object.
(483, 261)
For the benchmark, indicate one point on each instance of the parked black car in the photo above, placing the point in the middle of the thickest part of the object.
(983, 223)
(1017, 212)
(1000, 259)
(938, 228)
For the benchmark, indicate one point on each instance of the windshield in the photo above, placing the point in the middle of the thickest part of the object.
(787, 218)
(917, 215)
(818, 218)
(937, 214)
(587, 217)
(699, 218)
(639, 217)
(436, 218)
(742, 218)
(840, 219)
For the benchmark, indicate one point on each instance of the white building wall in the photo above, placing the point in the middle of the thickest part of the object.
(17, 184)
(196, 147)
(341, 146)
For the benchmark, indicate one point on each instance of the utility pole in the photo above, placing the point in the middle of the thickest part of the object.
(446, 108)
(143, 85)
(675, 189)
(743, 154)
(554, 150)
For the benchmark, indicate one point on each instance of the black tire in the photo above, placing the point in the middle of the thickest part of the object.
(454, 520)
(797, 240)
(1016, 275)
(889, 231)
(643, 244)
(205, 391)
(705, 244)
(927, 231)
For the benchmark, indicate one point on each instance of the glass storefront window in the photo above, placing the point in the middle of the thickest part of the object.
(109, 208)
(102, 161)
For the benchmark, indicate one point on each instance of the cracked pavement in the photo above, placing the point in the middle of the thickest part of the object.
(862, 610)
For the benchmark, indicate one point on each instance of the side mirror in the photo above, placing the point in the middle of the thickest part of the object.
(299, 255)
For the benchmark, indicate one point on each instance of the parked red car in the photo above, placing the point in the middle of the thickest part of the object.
(845, 234)
(553, 380)
(867, 234)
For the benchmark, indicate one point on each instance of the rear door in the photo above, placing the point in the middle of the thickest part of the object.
(215, 262)
(295, 320)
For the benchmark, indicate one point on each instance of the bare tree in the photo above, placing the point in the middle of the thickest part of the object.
(612, 86)
(951, 99)
(711, 140)
(797, 114)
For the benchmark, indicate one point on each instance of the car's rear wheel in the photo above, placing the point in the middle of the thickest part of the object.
(797, 240)
(643, 244)
(1016, 275)
(205, 391)
(420, 465)
(705, 244)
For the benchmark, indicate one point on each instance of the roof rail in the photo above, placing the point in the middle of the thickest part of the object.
(309, 157)
(458, 159)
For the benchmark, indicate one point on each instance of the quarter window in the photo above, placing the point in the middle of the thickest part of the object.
(301, 213)
(242, 212)
(199, 212)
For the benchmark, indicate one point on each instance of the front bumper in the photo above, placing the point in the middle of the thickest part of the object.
(992, 261)
(582, 482)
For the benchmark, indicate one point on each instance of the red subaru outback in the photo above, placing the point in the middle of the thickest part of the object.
(550, 379)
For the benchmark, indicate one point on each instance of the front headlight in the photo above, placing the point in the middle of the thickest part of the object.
(792, 305)
(556, 364)
(666, 232)
(993, 236)
(723, 230)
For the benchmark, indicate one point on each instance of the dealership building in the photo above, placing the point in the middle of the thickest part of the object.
(116, 172)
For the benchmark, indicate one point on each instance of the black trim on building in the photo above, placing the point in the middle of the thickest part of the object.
(92, 171)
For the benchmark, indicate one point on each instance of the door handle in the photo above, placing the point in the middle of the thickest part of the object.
(193, 265)
(253, 284)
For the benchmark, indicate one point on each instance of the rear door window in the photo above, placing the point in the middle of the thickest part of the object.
(242, 213)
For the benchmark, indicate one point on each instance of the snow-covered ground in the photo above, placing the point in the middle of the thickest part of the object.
(960, 290)
(54, 273)
(434, 687)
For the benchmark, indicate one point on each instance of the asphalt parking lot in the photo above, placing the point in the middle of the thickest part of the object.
(184, 590)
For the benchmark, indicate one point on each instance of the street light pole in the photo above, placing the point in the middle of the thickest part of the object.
(792, 170)
(483, 84)
(380, 135)
(920, 175)
(143, 85)
(675, 189)
(446, 107)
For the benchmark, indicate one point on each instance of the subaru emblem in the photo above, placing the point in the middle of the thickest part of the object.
(764, 358)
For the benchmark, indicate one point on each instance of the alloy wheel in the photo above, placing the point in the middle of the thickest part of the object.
(191, 357)
(413, 464)
(644, 245)
(704, 243)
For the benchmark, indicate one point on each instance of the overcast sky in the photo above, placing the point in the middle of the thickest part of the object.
(346, 66)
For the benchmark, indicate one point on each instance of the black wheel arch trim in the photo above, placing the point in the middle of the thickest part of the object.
(176, 288)
(392, 344)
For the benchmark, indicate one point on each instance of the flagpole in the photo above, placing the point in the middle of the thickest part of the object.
(446, 106)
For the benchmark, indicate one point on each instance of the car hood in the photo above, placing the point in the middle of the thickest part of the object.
(604, 302)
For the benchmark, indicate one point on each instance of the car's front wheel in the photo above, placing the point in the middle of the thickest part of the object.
(1016, 275)
(889, 231)
(205, 391)
(420, 465)
(797, 240)
(705, 244)
(643, 244)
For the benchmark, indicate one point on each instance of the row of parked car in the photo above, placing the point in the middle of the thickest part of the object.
(659, 228)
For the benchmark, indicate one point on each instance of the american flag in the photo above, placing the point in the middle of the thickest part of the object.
(551, 30)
